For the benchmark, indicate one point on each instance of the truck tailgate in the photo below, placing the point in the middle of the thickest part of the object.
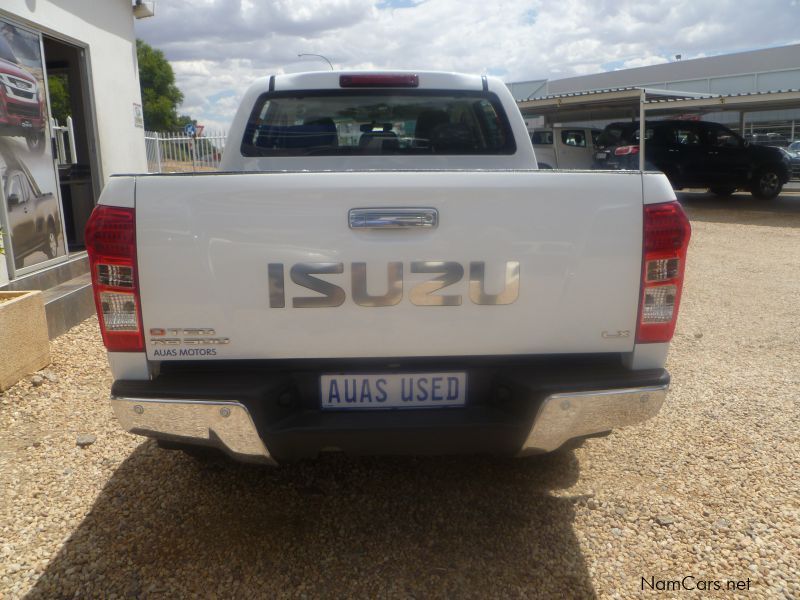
(221, 258)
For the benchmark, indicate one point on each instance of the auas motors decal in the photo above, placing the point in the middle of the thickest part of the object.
(172, 341)
(421, 294)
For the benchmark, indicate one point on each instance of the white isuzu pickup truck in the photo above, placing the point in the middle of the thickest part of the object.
(380, 268)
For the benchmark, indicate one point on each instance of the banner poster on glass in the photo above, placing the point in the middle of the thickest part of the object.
(30, 215)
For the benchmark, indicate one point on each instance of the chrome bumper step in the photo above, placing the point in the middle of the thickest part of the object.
(225, 425)
(566, 416)
(228, 425)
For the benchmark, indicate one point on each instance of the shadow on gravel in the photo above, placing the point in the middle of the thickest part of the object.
(167, 525)
(783, 211)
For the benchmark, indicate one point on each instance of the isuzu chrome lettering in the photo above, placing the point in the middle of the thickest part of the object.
(422, 294)
(332, 295)
(477, 287)
(394, 285)
(559, 290)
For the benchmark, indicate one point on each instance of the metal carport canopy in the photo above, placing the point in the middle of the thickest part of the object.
(598, 105)
(627, 102)
(777, 100)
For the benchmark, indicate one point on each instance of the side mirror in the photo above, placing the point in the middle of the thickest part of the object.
(746, 143)
(13, 200)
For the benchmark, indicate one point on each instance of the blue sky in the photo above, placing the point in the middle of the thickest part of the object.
(396, 4)
(218, 47)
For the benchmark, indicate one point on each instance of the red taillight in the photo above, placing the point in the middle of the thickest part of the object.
(111, 244)
(626, 150)
(666, 238)
(379, 80)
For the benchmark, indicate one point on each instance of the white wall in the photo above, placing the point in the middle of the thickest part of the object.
(105, 28)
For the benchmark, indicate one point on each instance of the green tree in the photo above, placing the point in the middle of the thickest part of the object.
(160, 95)
(57, 85)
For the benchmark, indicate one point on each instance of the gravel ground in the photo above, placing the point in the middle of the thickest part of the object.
(708, 489)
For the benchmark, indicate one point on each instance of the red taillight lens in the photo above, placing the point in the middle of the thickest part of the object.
(379, 80)
(626, 150)
(666, 238)
(111, 244)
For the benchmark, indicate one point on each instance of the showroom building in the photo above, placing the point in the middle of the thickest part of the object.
(757, 71)
(70, 116)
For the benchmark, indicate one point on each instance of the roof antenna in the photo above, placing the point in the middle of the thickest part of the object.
(319, 56)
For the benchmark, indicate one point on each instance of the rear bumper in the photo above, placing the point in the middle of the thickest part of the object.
(273, 417)
(563, 417)
(224, 425)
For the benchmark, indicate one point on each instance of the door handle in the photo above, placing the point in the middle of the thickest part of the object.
(393, 218)
(713, 152)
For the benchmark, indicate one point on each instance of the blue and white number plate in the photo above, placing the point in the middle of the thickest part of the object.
(372, 391)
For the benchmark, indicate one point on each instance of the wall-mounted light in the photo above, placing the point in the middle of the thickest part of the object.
(142, 10)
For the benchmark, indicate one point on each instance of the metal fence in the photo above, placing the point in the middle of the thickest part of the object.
(777, 133)
(180, 153)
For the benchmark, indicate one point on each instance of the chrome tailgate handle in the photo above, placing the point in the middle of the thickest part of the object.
(393, 218)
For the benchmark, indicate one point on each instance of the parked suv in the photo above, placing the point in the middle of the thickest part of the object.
(696, 154)
(565, 147)
(794, 160)
(768, 139)
(22, 110)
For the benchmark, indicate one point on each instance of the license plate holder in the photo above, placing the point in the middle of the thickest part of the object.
(393, 391)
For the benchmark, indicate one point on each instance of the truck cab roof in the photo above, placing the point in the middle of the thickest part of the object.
(377, 120)
(332, 80)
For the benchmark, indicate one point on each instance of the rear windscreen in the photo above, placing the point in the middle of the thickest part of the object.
(369, 122)
(611, 135)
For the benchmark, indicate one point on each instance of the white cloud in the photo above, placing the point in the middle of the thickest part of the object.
(644, 61)
(219, 47)
(191, 68)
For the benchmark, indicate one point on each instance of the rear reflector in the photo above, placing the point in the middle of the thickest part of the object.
(666, 238)
(379, 80)
(111, 245)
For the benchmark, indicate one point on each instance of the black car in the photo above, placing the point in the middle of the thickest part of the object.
(794, 159)
(696, 154)
(767, 139)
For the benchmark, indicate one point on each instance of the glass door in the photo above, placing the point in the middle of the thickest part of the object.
(30, 211)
